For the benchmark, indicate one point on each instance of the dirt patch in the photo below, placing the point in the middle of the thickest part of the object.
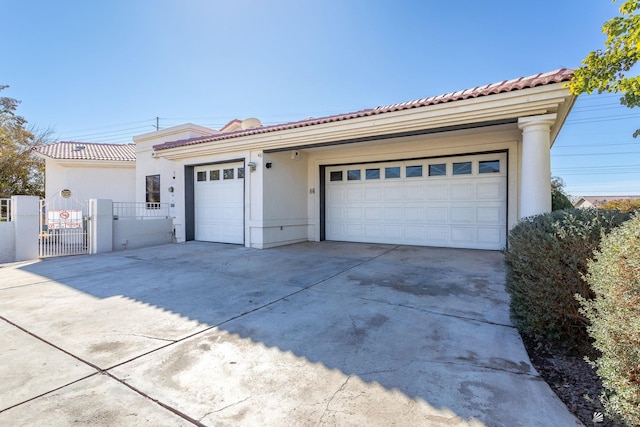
(570, 377)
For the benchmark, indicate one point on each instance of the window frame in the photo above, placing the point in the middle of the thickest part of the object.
(354, 175)
(387, 171)
(463, 172)
(152, 191)
(333, 176)
(372, 173)
(409, 171)
(481, 162)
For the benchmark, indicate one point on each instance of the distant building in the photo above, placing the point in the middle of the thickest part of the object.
(585, 202)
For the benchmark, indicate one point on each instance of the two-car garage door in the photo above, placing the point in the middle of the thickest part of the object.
(450, 202)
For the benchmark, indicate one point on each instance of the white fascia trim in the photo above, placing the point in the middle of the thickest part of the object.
(526, 102)
(84, 163)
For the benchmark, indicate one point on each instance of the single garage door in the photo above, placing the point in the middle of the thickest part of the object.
(455, 202)
(219, 203)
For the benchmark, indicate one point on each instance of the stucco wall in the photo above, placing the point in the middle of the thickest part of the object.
(282, 204)
(7, 242)
(171, 172)
(141, 233)
(285, 211)
(91, 180)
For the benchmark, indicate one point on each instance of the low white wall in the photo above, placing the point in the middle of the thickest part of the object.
(7, 242)
(141, 233)
(282, 235)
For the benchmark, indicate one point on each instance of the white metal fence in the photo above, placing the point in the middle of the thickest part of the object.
(140, 210)
(5, 210)
(63, 227)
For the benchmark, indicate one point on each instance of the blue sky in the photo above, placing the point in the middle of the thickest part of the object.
(102, 71)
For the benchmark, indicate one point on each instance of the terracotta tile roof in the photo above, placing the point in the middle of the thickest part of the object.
(557, 76)
(69, 150)
(599, 200)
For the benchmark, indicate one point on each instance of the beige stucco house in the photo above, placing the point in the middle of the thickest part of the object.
(455, 170)
(89, 170)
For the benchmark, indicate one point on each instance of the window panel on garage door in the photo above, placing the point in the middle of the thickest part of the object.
(456, 202)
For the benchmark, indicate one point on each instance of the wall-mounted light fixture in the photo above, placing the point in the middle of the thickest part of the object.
(252, 166)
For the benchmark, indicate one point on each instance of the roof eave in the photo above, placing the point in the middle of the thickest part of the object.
(551, 98)
(94, 163)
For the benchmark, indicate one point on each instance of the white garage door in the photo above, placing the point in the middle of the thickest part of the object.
(219, 203)
(455, 202)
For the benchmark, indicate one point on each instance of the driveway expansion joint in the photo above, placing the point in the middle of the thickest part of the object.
(156, 401)
(86, 362)
(98, 371)
(47, 392)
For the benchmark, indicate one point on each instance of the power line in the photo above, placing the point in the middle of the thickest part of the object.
(607, 145)
(109, 126)
(595, 154)
(111, 133)
(602, 119)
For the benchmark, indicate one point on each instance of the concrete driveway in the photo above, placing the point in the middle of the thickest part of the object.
(309, 334)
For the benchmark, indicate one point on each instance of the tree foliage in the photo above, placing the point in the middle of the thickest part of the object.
(21, 172)
(623, 205)
(559, 198)
(560, 201)
(606, 70)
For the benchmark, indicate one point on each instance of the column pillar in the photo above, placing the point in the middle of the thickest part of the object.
(100, 226)
(535, 177)
(25, 211)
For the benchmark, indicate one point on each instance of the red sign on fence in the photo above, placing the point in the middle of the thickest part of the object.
(64, 219)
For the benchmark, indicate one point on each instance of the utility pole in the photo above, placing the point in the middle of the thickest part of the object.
(157, 123)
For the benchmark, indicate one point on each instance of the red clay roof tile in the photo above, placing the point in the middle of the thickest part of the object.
(69, 150)
(556, 76)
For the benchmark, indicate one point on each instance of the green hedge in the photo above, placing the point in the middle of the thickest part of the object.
(614, 314)
(545, 262)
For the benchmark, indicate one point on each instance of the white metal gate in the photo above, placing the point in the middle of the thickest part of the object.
(63, 227)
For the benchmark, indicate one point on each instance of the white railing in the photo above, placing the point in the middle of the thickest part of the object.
(140, 210)
(5, 210)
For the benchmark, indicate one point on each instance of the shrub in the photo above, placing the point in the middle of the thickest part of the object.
(545, 262)
(614, 314)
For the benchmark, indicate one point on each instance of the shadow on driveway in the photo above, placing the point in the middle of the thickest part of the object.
(307, 334)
